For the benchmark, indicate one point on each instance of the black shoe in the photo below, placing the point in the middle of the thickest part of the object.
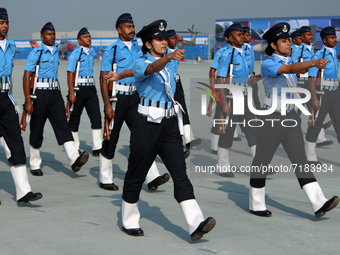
(153, 185)
(10, 160)
(329, 205)
(134, 231)
(186, 153)
(109, 186)
(95, 153)
(325, 143)
(204, 228)
(265, 213)
(80, 161)
(193, 143)
(327, 124)
(37, 172)
(213, 152)
(237, 139)
(227, 174)
(30, 196)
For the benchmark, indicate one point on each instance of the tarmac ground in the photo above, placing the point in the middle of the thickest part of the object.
(75, 216)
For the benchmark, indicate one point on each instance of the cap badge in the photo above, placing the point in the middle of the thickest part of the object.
(284, 29)
(161, 27)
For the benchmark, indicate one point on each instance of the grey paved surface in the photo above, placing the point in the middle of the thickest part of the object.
(75, 216)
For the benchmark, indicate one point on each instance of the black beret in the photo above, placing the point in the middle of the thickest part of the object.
(246, 29)
(47, 26)
(153, 30)
(327, 31)
(171, 32)
(305, 29)
(3, 14)
(295, 33)
(83, 31)
(233, 27)
(124, 18)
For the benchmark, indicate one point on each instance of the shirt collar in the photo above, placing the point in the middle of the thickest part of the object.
(284, 60)
(150, 57)
(9, 43)
(121, 45)
(45, 49)
(331, 50)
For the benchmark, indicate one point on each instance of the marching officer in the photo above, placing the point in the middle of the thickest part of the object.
(212, 78)
(304, 53)
(44, 101)
(250, 57)
(82, 90)
(296, 39)
(189, 139)
(235, 56)
(123, 52)
(158, 132)
(9, 122)
(325, 96)
(278, 72)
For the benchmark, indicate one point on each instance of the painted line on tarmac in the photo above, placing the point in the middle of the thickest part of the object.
(209, 251)
(39, 210)
(91, 223)
(82, 180)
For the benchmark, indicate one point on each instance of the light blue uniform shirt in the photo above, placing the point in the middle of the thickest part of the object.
(124, 58)
(152, 86)
(173, 63)
(332, 67)
(240, 69)
(218, 55)
(295, 49)
(249, 56)
(271, 79)
(6, 59)
(49, 63)
(6, 64)
(85, 67)
(306, 53)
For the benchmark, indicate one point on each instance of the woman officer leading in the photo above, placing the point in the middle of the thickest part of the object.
(157, 132)
(278, 72)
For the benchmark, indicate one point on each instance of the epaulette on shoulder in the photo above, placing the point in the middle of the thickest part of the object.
(271, 58)
(35, 50)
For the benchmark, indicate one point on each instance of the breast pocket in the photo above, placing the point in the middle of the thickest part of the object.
(45, 64)
(122, 63)
(237, 67)
(157, 78)
(158, 82)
